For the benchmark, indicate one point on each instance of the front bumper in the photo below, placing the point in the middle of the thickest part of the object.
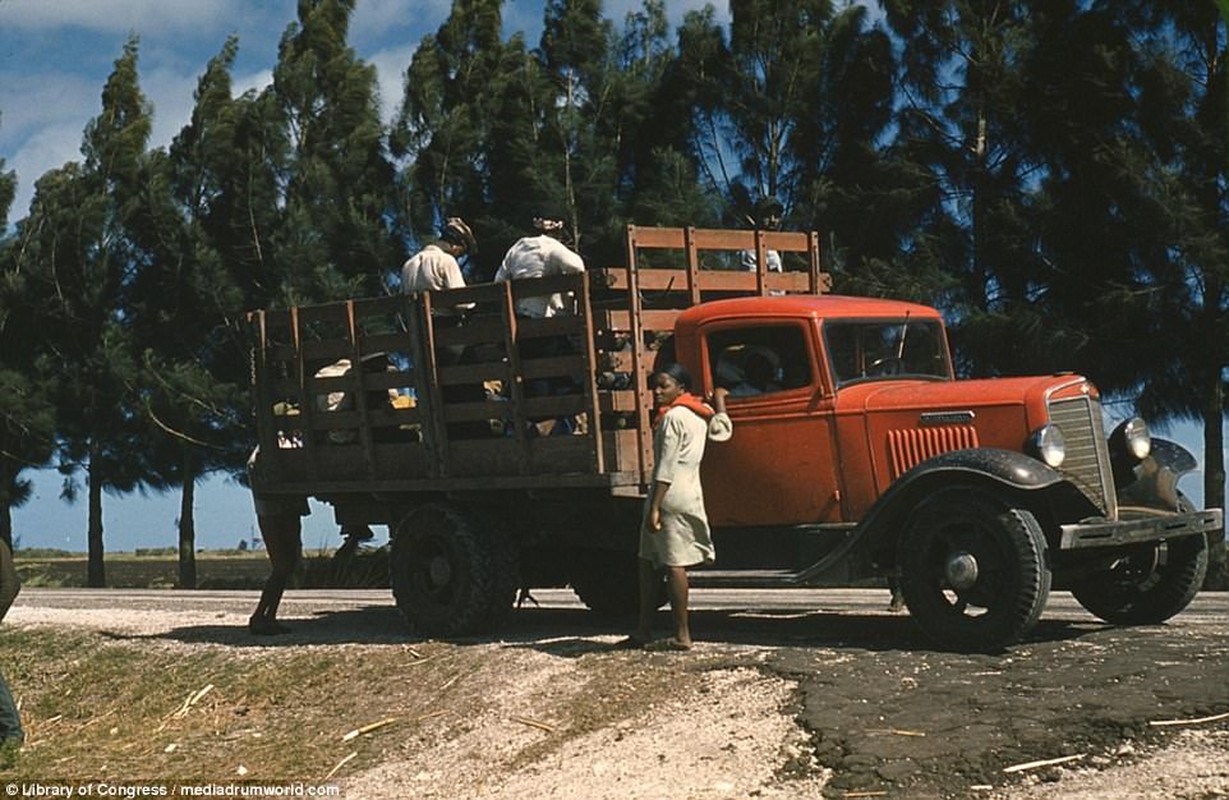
(1151, 528)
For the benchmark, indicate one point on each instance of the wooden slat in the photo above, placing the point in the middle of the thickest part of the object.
(475, 373)
(398, 342)
(616, 361)
(561, 325)
(551, 284)
(658, 320)
(377, 381)
(474, 331)
(675, 280)
(485, 293)
(392, 417)
(532, 368)
(716, 239)
(621, 401)
(319, 354)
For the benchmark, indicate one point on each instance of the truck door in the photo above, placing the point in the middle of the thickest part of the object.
(780, 467)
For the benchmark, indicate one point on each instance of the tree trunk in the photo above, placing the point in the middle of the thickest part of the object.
(1214, 481)
(7, 479)
(187, 525)
(96, 577)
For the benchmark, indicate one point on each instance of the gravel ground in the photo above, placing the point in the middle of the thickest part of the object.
(789, 712)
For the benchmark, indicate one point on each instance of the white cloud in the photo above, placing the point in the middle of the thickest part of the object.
(253, 81)
(27, 105)
(375, 20)
(390, 67)
(54, 146)
(120, 16)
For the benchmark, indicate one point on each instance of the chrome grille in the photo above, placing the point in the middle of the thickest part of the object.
(1088, 460)
(909, 447)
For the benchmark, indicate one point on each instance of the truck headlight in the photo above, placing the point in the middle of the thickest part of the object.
(1131, 440)
(1048, 445)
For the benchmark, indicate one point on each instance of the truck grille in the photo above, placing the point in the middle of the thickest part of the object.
(909, 447)
(1088, 461)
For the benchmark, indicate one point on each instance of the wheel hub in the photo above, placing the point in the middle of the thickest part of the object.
(439, 571)
(961, 571)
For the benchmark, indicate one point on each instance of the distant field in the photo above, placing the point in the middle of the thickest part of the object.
(230, 569)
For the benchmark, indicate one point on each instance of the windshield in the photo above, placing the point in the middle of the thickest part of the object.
(869, 349)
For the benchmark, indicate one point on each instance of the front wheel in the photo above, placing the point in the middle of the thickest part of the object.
(973, 570)
(1148, 585)
(453, 573)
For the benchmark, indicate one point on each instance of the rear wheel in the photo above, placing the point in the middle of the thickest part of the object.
(1148, 585)
(452, 572)
(973, 570)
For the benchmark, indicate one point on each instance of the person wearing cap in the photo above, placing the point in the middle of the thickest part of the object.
(768, 211)
(436, 265)
(539, 256)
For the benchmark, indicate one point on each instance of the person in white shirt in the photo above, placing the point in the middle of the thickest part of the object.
(436, 265)
(541, 256)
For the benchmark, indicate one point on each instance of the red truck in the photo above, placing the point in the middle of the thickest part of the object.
(857, 459)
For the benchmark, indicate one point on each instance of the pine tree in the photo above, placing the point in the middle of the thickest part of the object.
(856, 183)
(962, 80)
(460, 126)
(659, 167)
(1182, 292)
(185, 304)
(26, 415)
(334, 239)
(80, 261)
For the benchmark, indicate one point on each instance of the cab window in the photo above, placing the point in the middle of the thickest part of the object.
(878, 349)
(759, 360)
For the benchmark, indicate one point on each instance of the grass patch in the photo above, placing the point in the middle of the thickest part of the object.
(98, 709)
(231, 569)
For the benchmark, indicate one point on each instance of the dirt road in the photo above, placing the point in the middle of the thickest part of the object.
(790, 694)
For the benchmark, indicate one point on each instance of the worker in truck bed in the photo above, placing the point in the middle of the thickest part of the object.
(437, 266)
(544, 255)
(539, 256)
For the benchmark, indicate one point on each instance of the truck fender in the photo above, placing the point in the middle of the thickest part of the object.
(1155, 483)
(996, 469)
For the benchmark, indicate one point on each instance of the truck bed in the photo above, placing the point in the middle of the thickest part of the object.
(362, 396)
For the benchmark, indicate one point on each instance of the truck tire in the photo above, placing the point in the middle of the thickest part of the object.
(452, 572)
(1148, 586)
(608, 582)
(973, 570)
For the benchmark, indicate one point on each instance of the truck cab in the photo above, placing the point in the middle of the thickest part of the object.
(857, 451)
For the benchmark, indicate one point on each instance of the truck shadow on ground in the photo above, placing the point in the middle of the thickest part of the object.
(572, 633)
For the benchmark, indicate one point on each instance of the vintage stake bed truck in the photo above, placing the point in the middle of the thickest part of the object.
(856, 457)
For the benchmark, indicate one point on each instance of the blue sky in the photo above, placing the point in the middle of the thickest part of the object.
(55, 56)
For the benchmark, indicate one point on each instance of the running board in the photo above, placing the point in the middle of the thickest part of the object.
(744, 578)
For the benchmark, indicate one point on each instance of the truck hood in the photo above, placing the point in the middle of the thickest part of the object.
(901, 423)
(1030, 392)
